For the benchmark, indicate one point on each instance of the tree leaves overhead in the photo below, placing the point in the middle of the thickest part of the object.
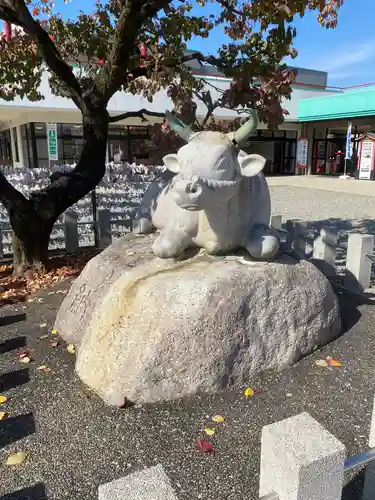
(257, 36)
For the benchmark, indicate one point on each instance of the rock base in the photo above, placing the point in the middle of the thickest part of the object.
(153, 330)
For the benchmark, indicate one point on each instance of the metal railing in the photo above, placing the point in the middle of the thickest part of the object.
(358, 460)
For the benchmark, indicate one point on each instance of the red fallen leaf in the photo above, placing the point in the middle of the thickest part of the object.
(21, 354)
(204, 447)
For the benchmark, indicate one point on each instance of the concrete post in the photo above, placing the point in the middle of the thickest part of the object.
(324, 251)
(369, 482)
(13, 146)
(276, 222)
(1, 244)
(142, 225)
(147, 484)
(21, 158)
(104, 228)
(301, 460)
(289, 236)
(71, 231)
(300, 237)
(358, 260)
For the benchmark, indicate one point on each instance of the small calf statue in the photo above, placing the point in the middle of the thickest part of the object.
(218, 199)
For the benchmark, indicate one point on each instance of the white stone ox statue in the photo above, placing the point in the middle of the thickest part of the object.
(219, 199)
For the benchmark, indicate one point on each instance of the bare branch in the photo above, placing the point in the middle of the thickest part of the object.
(131, 18)
(135, 114)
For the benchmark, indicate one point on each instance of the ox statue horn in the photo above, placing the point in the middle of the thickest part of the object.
(238, 137)
(179, 126)
(247, 128)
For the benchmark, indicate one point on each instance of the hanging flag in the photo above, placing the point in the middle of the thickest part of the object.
(348, 155)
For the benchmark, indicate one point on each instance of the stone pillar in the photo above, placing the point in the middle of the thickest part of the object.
(358, 260)
(147, 484)
(21, 158)
(301, 460)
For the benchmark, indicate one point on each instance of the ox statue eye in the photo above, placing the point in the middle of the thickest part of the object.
(193, 188)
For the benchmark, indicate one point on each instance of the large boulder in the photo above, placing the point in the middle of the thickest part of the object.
(164, 329)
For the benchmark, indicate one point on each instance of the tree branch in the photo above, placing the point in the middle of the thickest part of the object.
(135, 114)
(21, 16)
(133, 14)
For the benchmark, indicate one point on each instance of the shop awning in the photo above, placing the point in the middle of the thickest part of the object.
(345, 104)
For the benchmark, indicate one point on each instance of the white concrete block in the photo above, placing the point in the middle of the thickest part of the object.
(371, 440)
(358, 263)
(149, 484)
(301, 460)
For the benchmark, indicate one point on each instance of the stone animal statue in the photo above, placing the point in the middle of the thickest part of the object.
(218, 200)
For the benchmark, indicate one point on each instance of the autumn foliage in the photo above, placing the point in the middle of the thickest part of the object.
(140, 47)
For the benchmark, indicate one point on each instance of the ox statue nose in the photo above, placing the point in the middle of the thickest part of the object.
(187, 193)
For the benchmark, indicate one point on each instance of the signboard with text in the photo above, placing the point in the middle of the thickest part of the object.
(53, 154)
(302, 152)
(366, 160)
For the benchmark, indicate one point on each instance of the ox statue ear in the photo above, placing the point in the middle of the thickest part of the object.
(251, 165)
(171, 162)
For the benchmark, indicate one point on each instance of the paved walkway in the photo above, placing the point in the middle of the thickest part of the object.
(75, 443)
(352, 186)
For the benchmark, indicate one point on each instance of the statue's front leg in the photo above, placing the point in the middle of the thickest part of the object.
(170, 244)
(263, 243)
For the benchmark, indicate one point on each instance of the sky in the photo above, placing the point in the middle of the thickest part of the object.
(346, 53)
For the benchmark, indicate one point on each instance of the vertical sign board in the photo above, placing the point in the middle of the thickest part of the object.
(366, 160)
(302, 148)
(53, 154)
(348, 151)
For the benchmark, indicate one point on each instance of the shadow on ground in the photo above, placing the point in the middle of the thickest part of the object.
(12, 344)
(37, 492)
(14, 428)
(14, 379)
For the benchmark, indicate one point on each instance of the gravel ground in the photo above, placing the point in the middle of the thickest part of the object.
(74, 442)
(324, 208)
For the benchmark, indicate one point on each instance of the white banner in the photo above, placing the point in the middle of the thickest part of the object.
(302, 152)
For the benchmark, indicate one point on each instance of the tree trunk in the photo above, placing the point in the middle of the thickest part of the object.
(32, 219)
(31, 235)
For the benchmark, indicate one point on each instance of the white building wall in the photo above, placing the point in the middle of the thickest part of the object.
(59, 109)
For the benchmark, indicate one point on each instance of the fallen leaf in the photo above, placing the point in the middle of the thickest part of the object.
(25, 359)
(209, 431)
(130, 253)
(43, 325)
(218, 419)
(21, 354)
(71, 348)
(42, 367)
(54, 332)
(248, 392)
(3, 415)
(321, 362)
(42, 337)
(40, 300)
(54, 343)
(204, 447)
(333, 363)
(3, 399)
(288, 394)
(16, 458)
